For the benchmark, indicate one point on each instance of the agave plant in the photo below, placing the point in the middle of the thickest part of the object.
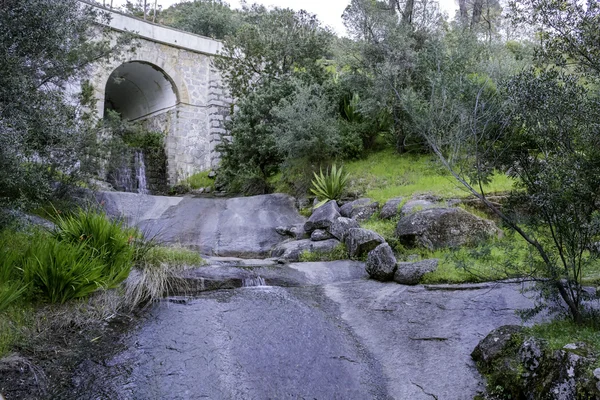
(329, 186)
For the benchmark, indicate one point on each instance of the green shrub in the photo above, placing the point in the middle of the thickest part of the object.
(330, 186)
(11, 282)
(200, 180)
(109, 241)
(60, 271)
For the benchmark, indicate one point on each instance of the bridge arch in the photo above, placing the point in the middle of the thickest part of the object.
(141, 87)
(138, 89)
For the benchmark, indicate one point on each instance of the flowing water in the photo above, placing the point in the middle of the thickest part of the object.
(140, 172)
(255, 281)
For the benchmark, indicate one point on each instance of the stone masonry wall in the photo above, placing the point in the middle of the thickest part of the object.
(195, 126)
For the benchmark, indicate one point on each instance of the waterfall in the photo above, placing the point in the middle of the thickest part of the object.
(256, 281)
(140, 172)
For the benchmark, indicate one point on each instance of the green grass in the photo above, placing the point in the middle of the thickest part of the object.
(338, 253)
(157, 273)
(468, 264)
(386, 174)
(200, 180)
(560, 332)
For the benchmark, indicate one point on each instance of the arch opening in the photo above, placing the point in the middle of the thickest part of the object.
(137, 90)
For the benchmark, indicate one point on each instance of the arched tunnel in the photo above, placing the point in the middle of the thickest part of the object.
(138, 89)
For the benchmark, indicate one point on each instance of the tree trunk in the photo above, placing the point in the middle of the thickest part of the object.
(407, 14)
(462, 7)
(145, 5)
(154, 16)
(477, 10)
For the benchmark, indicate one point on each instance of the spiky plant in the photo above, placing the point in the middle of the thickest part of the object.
(329, 186)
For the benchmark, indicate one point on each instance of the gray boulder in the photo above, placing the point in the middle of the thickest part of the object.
(493, 345)
(360, 241)
(292, 250)
(323, 217)
(528, 368)
(410, 273)
(390, 208)
(360, 210)
(320, 234)
(295, 231)
(381, 263)
(412, 206)
(443, 227)
(340, 227)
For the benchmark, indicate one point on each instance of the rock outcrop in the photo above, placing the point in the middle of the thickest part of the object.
(390, 208)
(360, 241)
(525, 367)
(323, 217)
(292, 250)
(410, 273)
(360, 210)
(340, 227)
(381, 263)
(443, 227)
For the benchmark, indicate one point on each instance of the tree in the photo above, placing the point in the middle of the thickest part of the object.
(272, 45)
(45, 46)
(268, 53)
(567, 30)
(212, 18)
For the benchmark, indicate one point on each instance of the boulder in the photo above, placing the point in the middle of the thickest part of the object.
(493, 346)
(410, 273)
(443, 227)
(292, 250)
(320, 234)
(381, 263)
(390, 208)
(527, 368)
(360, 210)
(412, 206)
(295, 231)
(323, 217)
(340, 227)
(360, 241)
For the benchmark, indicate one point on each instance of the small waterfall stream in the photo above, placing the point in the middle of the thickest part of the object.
(140, 172)
(255, 281)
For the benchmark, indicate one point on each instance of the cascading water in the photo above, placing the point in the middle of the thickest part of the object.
(140, 172)
(255, 281)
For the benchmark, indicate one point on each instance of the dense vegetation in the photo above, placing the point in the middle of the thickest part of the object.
(501, 97)
(499, 90)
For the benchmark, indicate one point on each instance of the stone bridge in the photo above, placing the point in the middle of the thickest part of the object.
(169, 83)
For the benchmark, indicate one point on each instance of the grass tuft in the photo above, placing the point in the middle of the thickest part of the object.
(157, 274)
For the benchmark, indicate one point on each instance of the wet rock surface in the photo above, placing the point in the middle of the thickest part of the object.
(243, 227)
(350, 339)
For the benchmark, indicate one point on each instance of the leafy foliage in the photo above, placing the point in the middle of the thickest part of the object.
(329, 186)
(211, 18)
(306, 126)
(43, 135)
